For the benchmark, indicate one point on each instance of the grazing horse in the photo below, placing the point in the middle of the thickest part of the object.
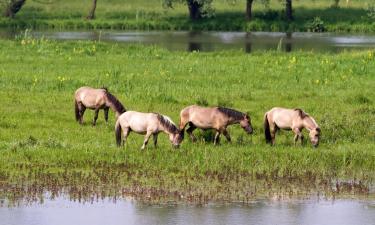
(146, 123)
(290, 119)
(96, 99)
(217, 118)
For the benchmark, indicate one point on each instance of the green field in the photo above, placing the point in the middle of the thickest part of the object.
(42, 147)
(228, 15)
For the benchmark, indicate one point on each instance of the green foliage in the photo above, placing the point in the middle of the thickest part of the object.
(316, 25)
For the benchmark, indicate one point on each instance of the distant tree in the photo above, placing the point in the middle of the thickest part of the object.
(249, 5)
(335, 3)
(288, 10)
(92, 11)
(12, 7)
(197, 8)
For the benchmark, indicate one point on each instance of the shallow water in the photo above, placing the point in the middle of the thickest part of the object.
(214, 41)
(124, 211)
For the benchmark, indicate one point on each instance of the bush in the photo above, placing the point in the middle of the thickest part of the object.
(316, 25)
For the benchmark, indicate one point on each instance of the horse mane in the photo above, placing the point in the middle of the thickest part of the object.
(116, 103)
(301, 113)
(166, 123)
(231, 113)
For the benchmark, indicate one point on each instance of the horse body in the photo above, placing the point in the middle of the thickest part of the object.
(148, 124)
(290, 119)
(218, 118)
(96, 99)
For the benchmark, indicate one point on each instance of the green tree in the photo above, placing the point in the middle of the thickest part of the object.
(288, 10)
(12, 7)
(197, 8)
(92, 11)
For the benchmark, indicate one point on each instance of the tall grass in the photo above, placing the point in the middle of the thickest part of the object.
(42, 146)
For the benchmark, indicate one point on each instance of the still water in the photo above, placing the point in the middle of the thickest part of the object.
(214, 41)
(62, 211)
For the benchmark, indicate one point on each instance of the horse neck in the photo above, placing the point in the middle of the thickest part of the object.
(309, 123)
(233, 120)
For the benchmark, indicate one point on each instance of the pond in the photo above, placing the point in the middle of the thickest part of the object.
(61, 211)
(215, 41)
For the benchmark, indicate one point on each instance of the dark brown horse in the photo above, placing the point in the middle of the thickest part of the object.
(217, 118)
(96, 99)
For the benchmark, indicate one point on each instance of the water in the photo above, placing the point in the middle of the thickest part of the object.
(62, 211)
(214, 41)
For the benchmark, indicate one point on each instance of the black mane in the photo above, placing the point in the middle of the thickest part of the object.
(167, 124)
(231, 113)
(301, 113)
(116, 103)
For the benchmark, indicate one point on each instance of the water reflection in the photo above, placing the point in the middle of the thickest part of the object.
(125, 211)
(214, 41)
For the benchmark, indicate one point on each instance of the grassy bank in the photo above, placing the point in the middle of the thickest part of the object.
(150, 15)
(43, 148)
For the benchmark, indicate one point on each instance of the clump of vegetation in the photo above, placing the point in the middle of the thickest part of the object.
(316, 25)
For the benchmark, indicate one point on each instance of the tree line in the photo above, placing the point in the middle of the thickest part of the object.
(198, 9)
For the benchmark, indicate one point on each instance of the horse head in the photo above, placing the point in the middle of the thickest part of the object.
(176, 138)
(246, 124)
(314, 136)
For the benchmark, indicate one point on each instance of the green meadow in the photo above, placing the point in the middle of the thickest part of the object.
(350, 16)
(43, 148)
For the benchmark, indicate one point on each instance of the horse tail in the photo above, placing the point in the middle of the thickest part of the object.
(76, 109)
(184, 119)
(118, 133)
(267, 131)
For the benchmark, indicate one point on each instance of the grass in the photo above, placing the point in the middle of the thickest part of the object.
(42, 148)
(150, 15)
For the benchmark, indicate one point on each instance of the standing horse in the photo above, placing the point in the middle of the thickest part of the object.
(217, 118)
(148, 124)
(290, 119)
(96, 99)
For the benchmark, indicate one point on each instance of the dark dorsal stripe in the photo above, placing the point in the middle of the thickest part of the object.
(167, 124)
(231, 113)
(301, 113)
(115, 102)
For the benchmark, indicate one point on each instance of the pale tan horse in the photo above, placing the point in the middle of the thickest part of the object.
(290, 119)
(148, 124)
(96, 99)
(217, 118)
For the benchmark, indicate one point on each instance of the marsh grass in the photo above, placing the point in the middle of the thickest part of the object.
(42, 148)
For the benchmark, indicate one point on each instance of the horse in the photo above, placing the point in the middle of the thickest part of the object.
(290, 119)
(217, 118)
(96, 99)
(148, 124)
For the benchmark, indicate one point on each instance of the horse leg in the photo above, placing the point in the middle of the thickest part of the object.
(96, 116)
(298, 134)
(273, 129)
(126, 132)
(190, 130)
(106, 110)
(82, 110)
(155, 136)
(217, 137)
(226, 134)
(147, 137)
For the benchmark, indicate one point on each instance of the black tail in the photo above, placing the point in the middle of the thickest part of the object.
(76, 109)
(118, 133)
(267, 131)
